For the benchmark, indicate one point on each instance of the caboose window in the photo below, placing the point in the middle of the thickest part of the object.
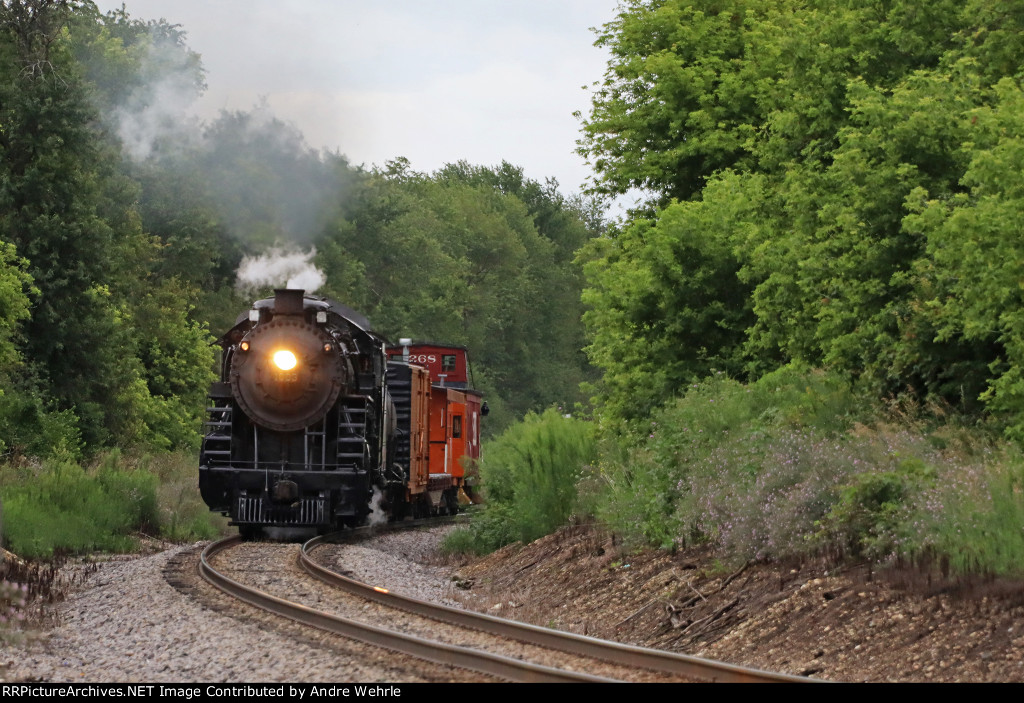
(447, 362)
(456, 426)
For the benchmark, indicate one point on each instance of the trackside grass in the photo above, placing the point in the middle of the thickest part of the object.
(60, 506)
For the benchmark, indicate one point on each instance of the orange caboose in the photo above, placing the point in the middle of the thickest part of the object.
(438, 420)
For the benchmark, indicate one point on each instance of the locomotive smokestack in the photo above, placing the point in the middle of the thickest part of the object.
(288, 301)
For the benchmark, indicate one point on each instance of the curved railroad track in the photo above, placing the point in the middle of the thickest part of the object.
(449, 636)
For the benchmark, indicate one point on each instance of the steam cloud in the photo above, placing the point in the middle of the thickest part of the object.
(269, 190)
(279, 267)
(157, 109)
(377, 514)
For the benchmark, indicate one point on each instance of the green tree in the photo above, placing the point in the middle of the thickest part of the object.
(837, 273)
(696, 86)
(666, 304)
(459, 257)
(681, 96)
(51, 195)
(15, 286)
(561, 220)
(70, 211)
(133, 65)
(845, 128)
(976, 255)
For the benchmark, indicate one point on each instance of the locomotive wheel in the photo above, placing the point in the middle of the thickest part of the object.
(399, 508)
(250, 533)
(421, 509)
(451, 501)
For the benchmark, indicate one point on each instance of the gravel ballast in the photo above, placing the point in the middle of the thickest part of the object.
(126, 623)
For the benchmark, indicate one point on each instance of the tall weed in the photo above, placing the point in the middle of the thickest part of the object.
(719, 433)
(799, 462)
(529, 477)
(61, 507)
(973, 521)
(182, 513)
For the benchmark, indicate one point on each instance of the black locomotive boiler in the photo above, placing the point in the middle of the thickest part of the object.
(300, 421)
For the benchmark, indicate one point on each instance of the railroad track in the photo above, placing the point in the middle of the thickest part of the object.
(537, 655)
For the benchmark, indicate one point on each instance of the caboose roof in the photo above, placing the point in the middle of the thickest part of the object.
(438, 345)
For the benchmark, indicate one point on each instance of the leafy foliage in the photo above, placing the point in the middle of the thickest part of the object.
(849, 165)
(529, 475)
(799, 463)
(720, 439)
(30, 428)
(62, 508)
(15, 284)
(680, 99)
(978, 526)
(973, 239)
(458, 256)
(870, 510)
(71, 215)
(666, 304)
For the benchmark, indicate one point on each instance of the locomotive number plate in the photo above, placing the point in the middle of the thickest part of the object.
(285, 376)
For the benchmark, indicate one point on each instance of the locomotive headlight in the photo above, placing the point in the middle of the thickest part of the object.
(284, 360)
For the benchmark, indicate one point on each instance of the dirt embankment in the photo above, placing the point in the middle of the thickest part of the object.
(846, 625)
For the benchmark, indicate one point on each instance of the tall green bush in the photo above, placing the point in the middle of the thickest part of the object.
(529, 475)
(61, 507)
(972, 521)
(800, 463)
(719, 425)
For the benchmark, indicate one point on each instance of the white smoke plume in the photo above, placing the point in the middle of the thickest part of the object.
(142, 129)
(280, 268)
(157, 109)
(253, 171)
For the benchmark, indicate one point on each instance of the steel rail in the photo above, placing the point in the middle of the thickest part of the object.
(615, 652)
(437, 652)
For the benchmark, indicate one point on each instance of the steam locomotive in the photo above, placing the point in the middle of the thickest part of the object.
(317, 423)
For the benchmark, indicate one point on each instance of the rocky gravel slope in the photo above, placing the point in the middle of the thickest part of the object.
(804, 619)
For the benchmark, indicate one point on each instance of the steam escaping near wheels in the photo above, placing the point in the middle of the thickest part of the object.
(378, 516)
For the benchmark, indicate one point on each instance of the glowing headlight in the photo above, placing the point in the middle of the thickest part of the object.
(284, 360)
